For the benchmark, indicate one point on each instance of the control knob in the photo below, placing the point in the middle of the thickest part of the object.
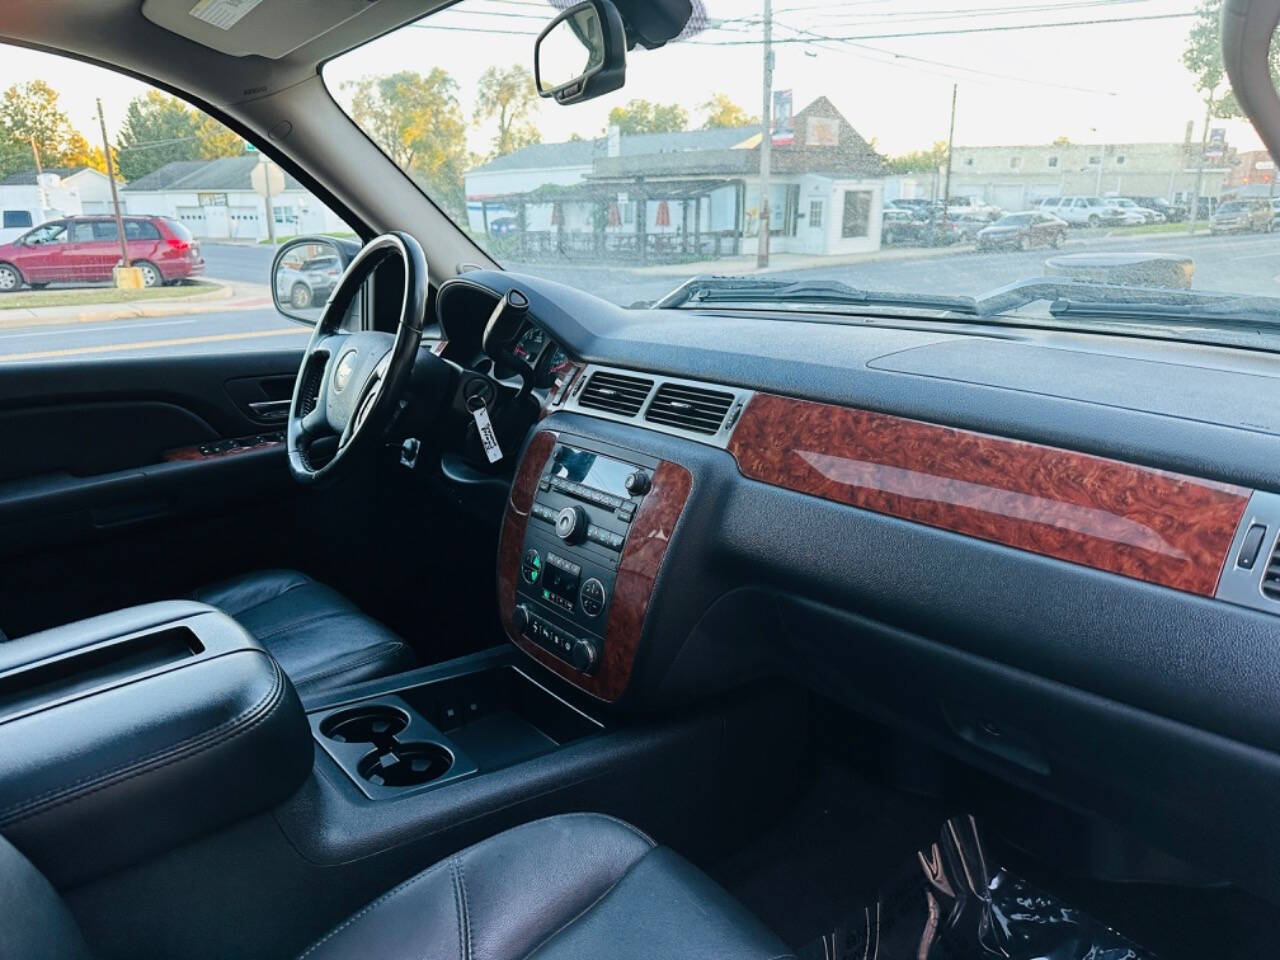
(585, 654)
(637, 482)
(571, 524)
(522, 617)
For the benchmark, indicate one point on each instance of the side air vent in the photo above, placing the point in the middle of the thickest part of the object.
(309, 394)
(689, 408)
(1271, 575)
(615, 393)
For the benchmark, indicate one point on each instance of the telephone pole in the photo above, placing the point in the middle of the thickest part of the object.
(35, 152)
(111, 178)
(1204, 145)
(766, 138)
(951, 137)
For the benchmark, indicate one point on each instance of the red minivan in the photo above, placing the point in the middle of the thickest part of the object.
(85, 249)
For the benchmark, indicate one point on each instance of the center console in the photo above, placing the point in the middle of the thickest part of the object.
(584, 536)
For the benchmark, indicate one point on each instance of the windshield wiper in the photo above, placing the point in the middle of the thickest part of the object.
(704, 290)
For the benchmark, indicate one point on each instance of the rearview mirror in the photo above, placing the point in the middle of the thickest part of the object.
(582, 53)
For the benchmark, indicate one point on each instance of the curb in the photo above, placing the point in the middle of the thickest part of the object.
(225, 297)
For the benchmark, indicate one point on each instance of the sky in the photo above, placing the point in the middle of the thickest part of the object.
(1105, 82)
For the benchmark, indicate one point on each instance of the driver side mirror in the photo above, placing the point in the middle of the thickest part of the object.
(305, 271)
(582, 53)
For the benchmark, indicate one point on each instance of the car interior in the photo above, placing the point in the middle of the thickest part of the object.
(502, 621)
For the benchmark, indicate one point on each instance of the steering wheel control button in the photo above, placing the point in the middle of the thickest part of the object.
(637, 483)
(571, 524)
(592, 597)
(531, 566)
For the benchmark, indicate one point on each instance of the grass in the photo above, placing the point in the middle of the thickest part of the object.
(281, 239)
(86, 296)
(1201, 227)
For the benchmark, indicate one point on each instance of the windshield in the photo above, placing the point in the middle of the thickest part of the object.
(974, 116)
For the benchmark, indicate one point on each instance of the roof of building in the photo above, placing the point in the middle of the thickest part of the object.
(27, 178)
(224, 173)
(581, 153)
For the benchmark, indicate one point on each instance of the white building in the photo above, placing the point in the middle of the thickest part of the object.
(28, 199)
(216, 201)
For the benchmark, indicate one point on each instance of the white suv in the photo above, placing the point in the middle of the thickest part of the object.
(1082, 211)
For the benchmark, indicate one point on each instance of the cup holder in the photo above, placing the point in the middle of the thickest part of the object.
(406, 765)
(370, 724)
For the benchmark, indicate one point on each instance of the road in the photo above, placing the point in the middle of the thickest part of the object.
(1248, 264)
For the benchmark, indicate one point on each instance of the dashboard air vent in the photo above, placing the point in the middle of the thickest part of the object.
(1271, 575)
(689, 408)
(615, 393)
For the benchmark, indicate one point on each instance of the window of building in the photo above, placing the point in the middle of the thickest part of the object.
(968, 161)
(1053, 161)
(857, 213)
(1015, 163)
(815, 213)
(1095, 161)
(1120, 159)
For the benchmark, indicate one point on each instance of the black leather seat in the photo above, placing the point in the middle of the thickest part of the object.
(580, 886)
(574, 887)
(319, 637)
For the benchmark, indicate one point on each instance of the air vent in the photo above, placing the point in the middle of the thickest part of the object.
(689, 408)
(615, 393)
(1271, 575)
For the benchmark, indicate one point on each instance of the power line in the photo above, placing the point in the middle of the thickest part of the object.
(505, 33)
(955, 32)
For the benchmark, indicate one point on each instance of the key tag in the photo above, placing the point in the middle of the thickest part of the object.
(488, 438)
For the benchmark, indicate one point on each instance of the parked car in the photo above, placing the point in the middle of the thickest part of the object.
(1275, 209)
(1172, 212)
(973, 205)
(899, 225)
(1243, 216)
(86, 249)
(919, 205)
(1129, 207)
(306, 282)
(1022, 231)
(1084, 211)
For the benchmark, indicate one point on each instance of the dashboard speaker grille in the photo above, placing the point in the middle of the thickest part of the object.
(689, 408)
(1271, 575)
(615, 393)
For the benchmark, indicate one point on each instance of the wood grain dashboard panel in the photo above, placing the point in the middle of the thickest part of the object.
(1149, 524)
(638, 568)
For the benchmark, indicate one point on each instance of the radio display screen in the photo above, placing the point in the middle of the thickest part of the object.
(592, 470)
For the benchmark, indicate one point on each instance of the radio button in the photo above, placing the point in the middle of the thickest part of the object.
(592, 597)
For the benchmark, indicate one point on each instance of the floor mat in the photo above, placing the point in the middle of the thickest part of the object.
(951, 902)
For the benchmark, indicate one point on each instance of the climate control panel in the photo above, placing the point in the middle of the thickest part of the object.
(586, 500)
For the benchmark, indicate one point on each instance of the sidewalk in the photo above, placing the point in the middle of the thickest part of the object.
(226, 296)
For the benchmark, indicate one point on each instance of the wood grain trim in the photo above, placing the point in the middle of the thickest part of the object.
(195, 454)
(1152, 525)
(642, 557)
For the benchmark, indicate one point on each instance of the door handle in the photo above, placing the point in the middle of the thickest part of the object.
(270, 409)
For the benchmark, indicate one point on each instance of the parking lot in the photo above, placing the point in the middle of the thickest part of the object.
(1248, 263)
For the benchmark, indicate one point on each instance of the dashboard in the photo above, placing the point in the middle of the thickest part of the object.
(1050, 553)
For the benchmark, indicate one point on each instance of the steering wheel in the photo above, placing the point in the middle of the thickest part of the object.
(351, 385)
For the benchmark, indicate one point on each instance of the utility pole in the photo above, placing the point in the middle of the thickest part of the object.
(266, 189)
(1204, 145)
(111, 178)
(766, 138)
(35, 152)
(951, 138)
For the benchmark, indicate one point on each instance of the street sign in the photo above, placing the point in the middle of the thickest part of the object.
(265, 175)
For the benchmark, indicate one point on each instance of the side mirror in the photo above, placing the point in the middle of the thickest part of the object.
(305, 271)
(582, 53)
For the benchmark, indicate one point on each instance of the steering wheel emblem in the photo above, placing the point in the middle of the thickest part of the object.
(343, 373)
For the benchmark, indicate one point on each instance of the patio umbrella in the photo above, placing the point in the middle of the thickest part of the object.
(663, 218)
(615, 215)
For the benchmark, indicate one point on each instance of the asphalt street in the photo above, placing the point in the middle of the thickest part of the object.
(1244, 264)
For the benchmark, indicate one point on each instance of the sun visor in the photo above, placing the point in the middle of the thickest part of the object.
(244, 28)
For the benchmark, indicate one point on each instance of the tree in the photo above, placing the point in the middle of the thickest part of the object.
(80, 153)
(723, 112)
(509, 97)
(642, 116)
(919, 161)
(418, 123)
(1203, 57)
(30, 111)
(160, 129)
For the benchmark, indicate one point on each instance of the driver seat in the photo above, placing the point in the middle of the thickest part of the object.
(320, 638)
